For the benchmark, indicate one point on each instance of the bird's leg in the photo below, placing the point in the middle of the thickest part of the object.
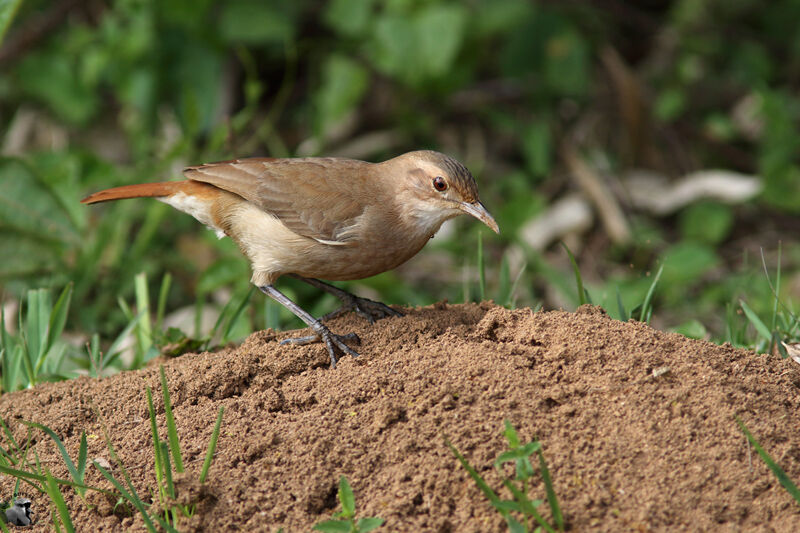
(332, 341)
(369, 309)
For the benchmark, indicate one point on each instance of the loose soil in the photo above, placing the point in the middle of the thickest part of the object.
(637, 425)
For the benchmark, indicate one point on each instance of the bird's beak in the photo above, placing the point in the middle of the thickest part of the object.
(477, 210)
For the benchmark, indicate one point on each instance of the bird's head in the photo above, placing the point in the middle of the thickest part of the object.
(436, 187)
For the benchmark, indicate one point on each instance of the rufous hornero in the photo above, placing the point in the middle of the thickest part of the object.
(322, 217)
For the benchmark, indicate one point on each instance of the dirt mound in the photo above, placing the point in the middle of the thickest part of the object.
(637, 425)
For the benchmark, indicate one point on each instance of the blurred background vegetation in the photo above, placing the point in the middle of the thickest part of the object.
(645, 135)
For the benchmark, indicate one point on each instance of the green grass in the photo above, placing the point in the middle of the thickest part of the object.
(780, 474)
(520, 512)
(344, 521)
(167, 461)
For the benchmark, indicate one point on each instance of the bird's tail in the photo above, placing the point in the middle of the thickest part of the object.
(143, 190)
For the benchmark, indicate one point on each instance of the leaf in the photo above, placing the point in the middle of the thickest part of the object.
(172, 432)
(8, 8)
(514, 526)
(54, 493)
(522, 452)
(761, 328)
(349, 17)
(439, 33)
(694, 329)
(476, 477)
(58, 317)
(647, 304)
(537, 145)
(344, 83)
(333, 526)
(787, 483)
(76, 474)
(365, 525)
(255, 22)
(511, 435)
(552, 499)
(706, 222)
(212, 445)
(583, 294)
(346, 498)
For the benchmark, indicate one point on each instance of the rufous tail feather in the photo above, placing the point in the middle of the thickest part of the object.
(147, 190)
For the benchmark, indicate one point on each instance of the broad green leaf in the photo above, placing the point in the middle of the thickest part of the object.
(365, 525)
(350, 18)
(333, 526)
(706, 222)
(344, 83)
(693, 329)
(537, 145)
(757, 323)
(58, 317)
(8, 8)
(346, 498)
(255, 22)
(439, 33)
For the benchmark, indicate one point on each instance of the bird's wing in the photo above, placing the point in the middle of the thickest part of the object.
(313, 197)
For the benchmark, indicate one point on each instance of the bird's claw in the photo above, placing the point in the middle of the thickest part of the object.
(370, 310)
(332, 341)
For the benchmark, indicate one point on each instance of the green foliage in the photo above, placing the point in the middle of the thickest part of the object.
(138, 89)
(36, 354)
(8, 8)
(780, 474)
(163, 450)
(344, 521)
(524, 472)
(76, 472)
(14, 462)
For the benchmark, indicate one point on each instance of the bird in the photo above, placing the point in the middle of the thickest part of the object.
(318, 218)
(19, 513)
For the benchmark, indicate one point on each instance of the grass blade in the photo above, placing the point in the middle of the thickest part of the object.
(476, 477)
(760, 327)
(156, 448)
(172, 432)
(58, 500)
(527, 506)
(647, 304)
(164, 447)
(212, 445)
(552, 499)
(234, 317)
(583, 295)
(135, 501)
(30, 477)
(58, 317)
(144, 330)
(73, 471)
(161, 305)
(623, 314)
(8, 8)
(787, 483)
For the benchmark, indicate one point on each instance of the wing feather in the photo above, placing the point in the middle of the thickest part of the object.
(314, 197)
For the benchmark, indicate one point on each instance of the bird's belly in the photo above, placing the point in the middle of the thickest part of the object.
(339, 263)
(274, 250)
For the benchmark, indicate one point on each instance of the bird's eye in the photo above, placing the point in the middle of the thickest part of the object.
(439, 184)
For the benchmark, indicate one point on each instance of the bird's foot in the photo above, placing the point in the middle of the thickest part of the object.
(335, 343)
(370, 310)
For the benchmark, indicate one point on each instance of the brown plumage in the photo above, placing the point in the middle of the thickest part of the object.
(330, 218)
